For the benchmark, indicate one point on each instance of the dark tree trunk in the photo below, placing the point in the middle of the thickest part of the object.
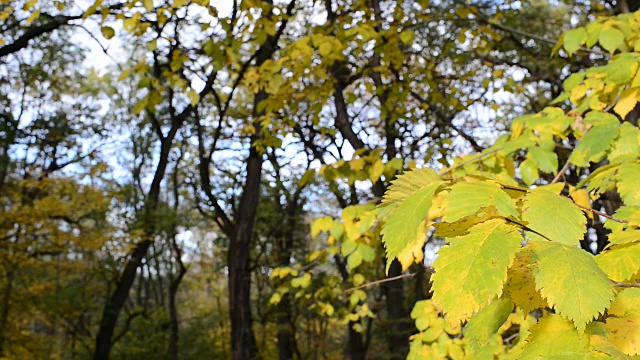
(357, 349)
(4, 310)
(116, 302)
(285, 332)
(243, 343)
(399, 323)
(173, 313)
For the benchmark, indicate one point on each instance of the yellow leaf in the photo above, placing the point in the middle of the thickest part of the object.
(414, 250)
(520, 285)
(33, 17)
(376, 171)
(249, 129)
(628, 100)
(581, 197)
(624, 321)
(179, 3)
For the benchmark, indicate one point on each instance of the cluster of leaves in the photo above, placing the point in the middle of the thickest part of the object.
(508, 244)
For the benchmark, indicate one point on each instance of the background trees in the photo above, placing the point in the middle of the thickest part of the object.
(157, 202)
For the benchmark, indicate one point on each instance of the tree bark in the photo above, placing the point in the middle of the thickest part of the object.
(4, 311)
(243, 343)
(116, 302)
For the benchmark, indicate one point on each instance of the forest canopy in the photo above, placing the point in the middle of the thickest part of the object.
(326, 179)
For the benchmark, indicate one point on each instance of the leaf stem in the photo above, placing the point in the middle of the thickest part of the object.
(526, 228)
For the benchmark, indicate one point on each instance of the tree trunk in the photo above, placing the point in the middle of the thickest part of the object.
(285, 332)
(357, 349)
(114, 305)
(4, 311)
(243, 344)
(173, 314)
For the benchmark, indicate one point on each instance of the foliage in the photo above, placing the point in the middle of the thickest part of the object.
(158, 206)
(519, 244)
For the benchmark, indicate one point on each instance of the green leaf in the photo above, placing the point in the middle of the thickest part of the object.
(554, 338)
(624, 237)
(621, 69)
(366, 252)
(348, 247)
(463, 283)
(611, 38)
(483, 325)
(403, 224)
(620, 262)
(194, 97)
(574, 39)
(627, 177)
(321, 224)
(593, 146)
(529, 171)
(467, 198)
(626, 147)
(325, 49)
(408, 183)
(546, 160)
(108, 32)
(572, 81)
(553, 216)
(601, 180)
(593, 30)
(130, 24)
(571, 281)
(354, 260)
(407, 36)
(302, 281)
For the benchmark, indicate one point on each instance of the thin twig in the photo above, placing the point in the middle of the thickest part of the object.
(477, 158)
(613, 104)
(627, 285)
(603, 214)
(104, 49)
(528, 35)
(561, 172)
(513, 336)
(382, 281)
